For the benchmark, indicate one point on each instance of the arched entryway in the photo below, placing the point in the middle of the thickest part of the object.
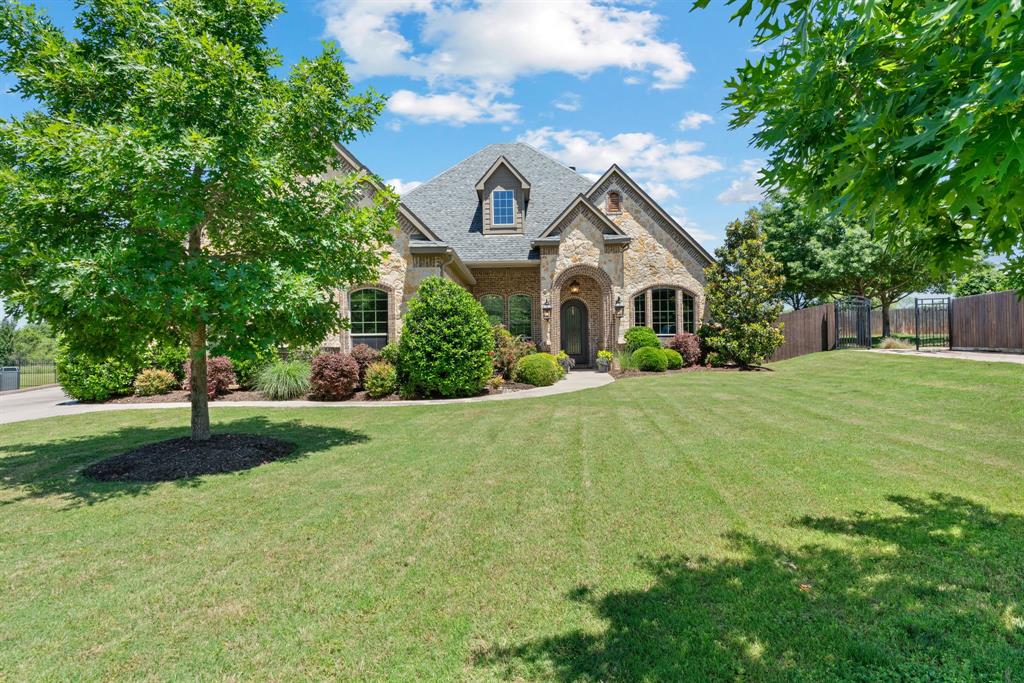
(592, 287)
(575, 331)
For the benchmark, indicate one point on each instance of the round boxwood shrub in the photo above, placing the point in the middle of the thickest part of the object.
(220, 375)
(85, 378)
(650, 359)
(335, 377)
(446, 343)
(538, 369)
(673, 359)
(363, 355)
(381, 379)
(154, 381)
(688, 346)
(640, 337)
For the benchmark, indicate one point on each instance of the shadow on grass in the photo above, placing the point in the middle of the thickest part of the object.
(934, 593)
(53, 468)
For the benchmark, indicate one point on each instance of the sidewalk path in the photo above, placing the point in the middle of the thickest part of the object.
(988, 356)
(51, 402)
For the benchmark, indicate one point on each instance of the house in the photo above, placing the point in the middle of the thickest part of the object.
(567, 262)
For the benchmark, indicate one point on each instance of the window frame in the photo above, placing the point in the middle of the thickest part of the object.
(512, 208)
(640, 316)
(529, 315)
(661, 314)
(381, 316)
(502, 317)
(684, 311)
(618, 203)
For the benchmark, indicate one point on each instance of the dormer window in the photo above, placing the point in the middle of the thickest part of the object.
(613, 204)
(503, 205)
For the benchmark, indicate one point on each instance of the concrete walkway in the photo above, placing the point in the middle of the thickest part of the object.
(32, 405)
(987, 356)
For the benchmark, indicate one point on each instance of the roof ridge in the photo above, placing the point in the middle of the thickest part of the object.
(548, 156)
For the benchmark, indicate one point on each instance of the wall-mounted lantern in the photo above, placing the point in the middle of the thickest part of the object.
(620, 308)
(546, 309)
(574, 287)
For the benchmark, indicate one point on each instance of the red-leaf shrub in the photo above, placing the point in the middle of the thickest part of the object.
(220, 375)
(334, 377)
(688, 346)
(364, 355)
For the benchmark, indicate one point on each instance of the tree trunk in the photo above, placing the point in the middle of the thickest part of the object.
(885, 319)
(197, 389)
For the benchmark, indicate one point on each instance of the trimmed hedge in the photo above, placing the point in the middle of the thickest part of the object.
(640, 337)
(154, 381)
(538, 369)
(650, 359)
(447, 342)
(673, 359)
(381, 379)
(335, 377)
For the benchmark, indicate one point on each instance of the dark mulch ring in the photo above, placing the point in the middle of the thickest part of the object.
(183, 458)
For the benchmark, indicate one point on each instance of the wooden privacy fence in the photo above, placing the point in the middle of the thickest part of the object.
(901, 321)
(807, 331)
(988, 322)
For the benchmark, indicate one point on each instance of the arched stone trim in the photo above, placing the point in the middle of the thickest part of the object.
(602, 322)
(344, 311)
(698, 303)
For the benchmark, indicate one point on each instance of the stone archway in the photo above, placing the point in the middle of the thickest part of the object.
(595, 291)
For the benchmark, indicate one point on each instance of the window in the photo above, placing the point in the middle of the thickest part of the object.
(688, 319)
(640, 309)
(503, 207)
(368, 313)
(494, 305)
(614, 203)
(663, 311)
(520, 315)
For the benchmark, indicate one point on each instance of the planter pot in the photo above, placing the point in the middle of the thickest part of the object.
(603, 364)
(566, 366)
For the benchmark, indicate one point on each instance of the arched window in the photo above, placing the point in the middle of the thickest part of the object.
(689, 319)
(640, 309)
(613, 204)
(368, 313)
(663, 311)
(494, 305)
(520, 315)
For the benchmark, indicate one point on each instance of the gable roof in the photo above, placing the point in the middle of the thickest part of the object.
(608, 227)
(502, 161)
(629, 182)
(450, 205)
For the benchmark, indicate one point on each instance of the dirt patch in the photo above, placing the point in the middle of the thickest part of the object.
(183, 458)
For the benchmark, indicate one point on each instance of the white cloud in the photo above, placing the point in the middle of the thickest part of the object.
(569, 101)
(474, 51)
(702, 236)
(403, 186)
(744, 190)
(453, 108)
(694, 120)
(643, 155)
(632, 80)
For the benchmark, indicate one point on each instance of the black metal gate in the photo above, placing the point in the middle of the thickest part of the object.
(853, 323)
(932, 322)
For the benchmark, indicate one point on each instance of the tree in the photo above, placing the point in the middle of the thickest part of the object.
(34, 342)
(904, 107)
(828, 256)
(742, 289)
(982, 278)
(7, 333)
(171, 187)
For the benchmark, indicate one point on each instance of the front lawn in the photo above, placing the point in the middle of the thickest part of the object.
(848, 516)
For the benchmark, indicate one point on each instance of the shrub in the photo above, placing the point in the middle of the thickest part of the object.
(85, 378)
(624, 359)
(381, 379)
(894, 343)
(640, 337)
(364, 355)
(605, 355)
(220, 375)
(538, 369)
(447, 342)
(153, 382)
(495, 383)
(335, 377)
(169, 357)
(566, 361)
(650, 359)
(284, 380)
(673, 359)
(688, 346)
(391, 354)
(508, 349)
(248, 366)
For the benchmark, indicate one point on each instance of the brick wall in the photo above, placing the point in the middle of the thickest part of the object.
(508, 281)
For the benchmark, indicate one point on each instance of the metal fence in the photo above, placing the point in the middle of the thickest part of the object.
(27, 375)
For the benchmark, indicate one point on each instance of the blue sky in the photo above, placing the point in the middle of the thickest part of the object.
(592, 83)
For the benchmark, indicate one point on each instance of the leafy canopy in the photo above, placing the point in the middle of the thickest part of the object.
(169, 180)
(904, 108)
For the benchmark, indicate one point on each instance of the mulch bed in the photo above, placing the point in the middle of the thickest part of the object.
(183, 458)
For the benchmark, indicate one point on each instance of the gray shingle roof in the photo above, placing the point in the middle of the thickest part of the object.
(449, 205)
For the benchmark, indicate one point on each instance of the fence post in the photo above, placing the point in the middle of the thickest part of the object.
(917, 324)
(835, 343)
(949, 322)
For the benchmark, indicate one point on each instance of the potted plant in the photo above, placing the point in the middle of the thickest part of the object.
(565, 361)
(604, 360)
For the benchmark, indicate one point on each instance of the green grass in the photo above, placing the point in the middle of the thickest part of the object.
(848, 516)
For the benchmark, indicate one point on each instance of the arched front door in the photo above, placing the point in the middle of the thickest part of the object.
(574, 331)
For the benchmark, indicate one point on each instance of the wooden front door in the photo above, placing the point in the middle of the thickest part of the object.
(574, 331)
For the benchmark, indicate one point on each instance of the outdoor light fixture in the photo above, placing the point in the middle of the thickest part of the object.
(620, 307)
(546, 309)
(574, 287)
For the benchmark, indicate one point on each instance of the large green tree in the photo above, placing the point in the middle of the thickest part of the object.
(171, 186)
(912, 108)
(742, 288)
